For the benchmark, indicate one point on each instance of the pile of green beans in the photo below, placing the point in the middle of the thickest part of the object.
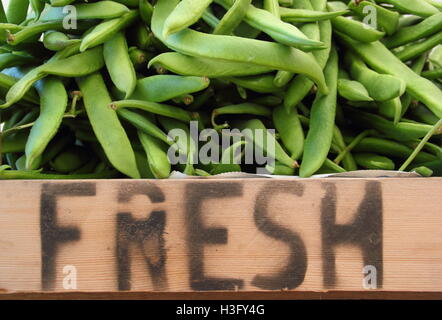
(92, 89)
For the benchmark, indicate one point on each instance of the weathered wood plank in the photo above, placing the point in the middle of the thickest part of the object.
(199, 235)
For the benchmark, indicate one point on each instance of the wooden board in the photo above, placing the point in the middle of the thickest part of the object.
(318, 235)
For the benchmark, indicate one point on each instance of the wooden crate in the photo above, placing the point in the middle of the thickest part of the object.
(236, 236)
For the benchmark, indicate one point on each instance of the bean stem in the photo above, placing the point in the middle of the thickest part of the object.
(436, 128)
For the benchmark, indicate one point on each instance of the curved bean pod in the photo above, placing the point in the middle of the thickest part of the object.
(373, 161)
(156, 152)
(161, 88)
(54, 100)
(186, 13)
(107, 126)
(119, 64)
(105, 30)
(205, 67)
(290, 130)
(320, 135)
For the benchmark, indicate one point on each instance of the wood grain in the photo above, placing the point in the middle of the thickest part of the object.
(306, 237)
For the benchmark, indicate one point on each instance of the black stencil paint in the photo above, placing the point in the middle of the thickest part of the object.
(147, 233)
(293, 274)
(198, 236)
(365, 231)
(51, 234)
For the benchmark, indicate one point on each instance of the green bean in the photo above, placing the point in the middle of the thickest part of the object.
(280, 31)
(161, 88)
(106, 125)
(105, 30)
(144, 124)
(17, 11)
(56, 41)
(413, 50)
(417, 7)
(156, 108)
(402, 131)
(290, 130)
(205, 67)
(388, 20)
(185, 13)
(119, 65)
(320, 135)
(303, 15)
(54, 101)
(381, 87)
(75, 66)
(373, 161)
(382, 60)
(405, 35)
(251, 134)
(232, 18)
(156, 152)
(85, 11)
(389, 148)
(353, 90)
(244, 108)
(391, 109)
